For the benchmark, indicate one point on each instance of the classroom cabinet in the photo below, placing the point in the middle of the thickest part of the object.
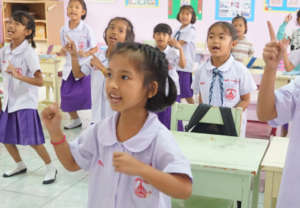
(48, 14)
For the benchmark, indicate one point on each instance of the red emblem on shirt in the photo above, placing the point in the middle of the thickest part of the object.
(140, 189)
(230, 94)
(100, 163)
(81, 45)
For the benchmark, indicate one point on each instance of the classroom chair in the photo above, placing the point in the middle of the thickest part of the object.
(183, 111)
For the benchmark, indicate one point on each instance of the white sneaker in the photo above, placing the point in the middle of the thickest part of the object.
(21, 168)
(50, 176)
(75, 123)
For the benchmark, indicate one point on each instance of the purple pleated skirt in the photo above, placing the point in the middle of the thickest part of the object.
(165, 117)
(76, 94)
(185, 82)
(22, 127)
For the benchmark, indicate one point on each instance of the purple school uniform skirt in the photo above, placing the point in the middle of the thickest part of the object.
(185, 82)
(75, 94)
(22, 127)
(165, 117)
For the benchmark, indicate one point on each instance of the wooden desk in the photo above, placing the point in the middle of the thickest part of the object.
(281, 79)
(224, 167)
(273, 164)
(49, 69)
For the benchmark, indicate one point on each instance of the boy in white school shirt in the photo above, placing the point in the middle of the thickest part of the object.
(223, 81)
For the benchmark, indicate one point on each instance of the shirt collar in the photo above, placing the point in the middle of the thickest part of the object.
(137, 143)
(76, 29)
(225, 67)
(187, 27)
(20, 49)
(166, 49)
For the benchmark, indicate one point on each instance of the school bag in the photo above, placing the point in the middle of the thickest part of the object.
(195, 126)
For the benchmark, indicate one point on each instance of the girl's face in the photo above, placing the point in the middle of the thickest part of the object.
(116, 32)
(75, 10)
(240, 27)
(185, 17)
(219, 42)
(125, 85)
(161, 39)
(16, 30)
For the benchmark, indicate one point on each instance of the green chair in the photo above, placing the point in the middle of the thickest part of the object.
(182, 111)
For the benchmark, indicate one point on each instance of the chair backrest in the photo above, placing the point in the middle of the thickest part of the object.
(183, 111)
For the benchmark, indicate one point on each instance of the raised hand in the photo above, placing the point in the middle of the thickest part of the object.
(125, 163)
(174, 43)
(288, 18)
(96, 63)
(51, 118)
(71, 47)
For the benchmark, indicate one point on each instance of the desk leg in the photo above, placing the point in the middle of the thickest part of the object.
(255, 190)
(246, 192)
(268, 189)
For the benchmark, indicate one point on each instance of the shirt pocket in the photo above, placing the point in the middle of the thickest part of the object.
(231, 91)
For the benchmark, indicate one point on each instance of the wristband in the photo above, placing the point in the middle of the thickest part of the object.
(59, 142)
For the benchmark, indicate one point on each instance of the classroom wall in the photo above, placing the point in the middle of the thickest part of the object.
(144, 20)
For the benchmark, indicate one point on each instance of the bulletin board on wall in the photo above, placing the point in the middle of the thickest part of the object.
(282, 5)
(174, 7)
(142, 3)
(228, 9)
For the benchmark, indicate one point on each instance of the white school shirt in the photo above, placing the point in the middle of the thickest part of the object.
(237, 82)
(19, 95)
(173, 56)
(100, 104)
(188, 34)
(84, 39)
(294, 57)
(287, 101)
(153, 145)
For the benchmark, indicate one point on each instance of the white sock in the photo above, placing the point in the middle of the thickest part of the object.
(50, 172)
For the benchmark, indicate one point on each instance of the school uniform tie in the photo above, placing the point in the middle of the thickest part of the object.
(177, 35)
(216, 73)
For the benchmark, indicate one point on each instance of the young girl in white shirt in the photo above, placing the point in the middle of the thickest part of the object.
(19, 119)
(223, 81)
(132, 158)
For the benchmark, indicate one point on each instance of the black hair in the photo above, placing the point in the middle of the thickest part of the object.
(244, 20)
(191, 9)
(163, 28)
(129, 30)
(154, 65)
(227, 27)
(84, 7)
(298, 15)
(28, 21)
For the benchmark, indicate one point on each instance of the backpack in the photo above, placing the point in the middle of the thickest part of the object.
(195, 126)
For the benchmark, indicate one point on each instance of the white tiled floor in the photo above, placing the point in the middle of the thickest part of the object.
(27, 191)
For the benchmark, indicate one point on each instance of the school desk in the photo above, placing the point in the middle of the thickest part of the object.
(223, 166)
(50, 67)
(272, 165)
(281, 78)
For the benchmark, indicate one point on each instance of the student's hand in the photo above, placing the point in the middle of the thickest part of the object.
(16, 73)
(62, 52)
(288, 18)
(96, 64)
(125, 163)
(174, 43)
(273, 50)
(83, 54)
(71, 47)
(51, 118)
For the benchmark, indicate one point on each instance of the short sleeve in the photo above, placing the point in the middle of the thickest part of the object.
(196, 81)
(85, 148)
(285, 103)
(247, 83)
(86, 68)
(92, 38)
(189, 35)
(294, 57)
(168, 157)
(32, 61)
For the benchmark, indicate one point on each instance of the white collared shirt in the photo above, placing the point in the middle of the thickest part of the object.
(237, 82)
(100, 104)
(153, 145)
(188, 34)
(19, 95)
(84, 39)
(294, 57)
(287, 102)
(173, 57)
